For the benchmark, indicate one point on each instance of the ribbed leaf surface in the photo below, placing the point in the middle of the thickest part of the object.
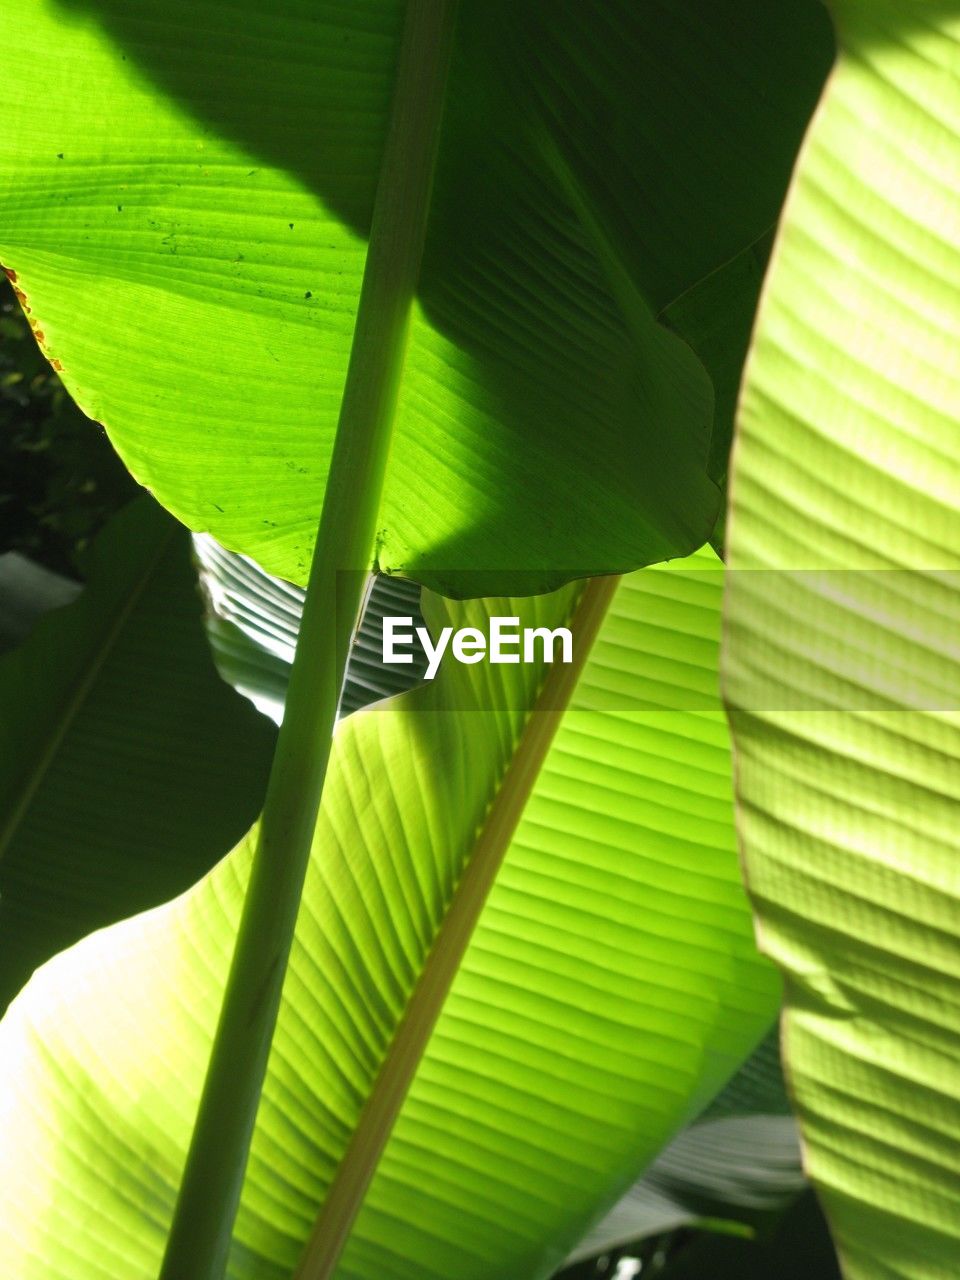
(255, 619)
(741, 1159)
(208, 168)
(608, 990)
(842, 662)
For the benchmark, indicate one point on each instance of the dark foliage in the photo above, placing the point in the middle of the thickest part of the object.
(61, 479)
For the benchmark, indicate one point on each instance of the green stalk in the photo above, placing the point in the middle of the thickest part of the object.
(200, 1235)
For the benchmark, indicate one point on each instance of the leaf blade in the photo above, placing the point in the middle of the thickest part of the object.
(129, 767)
(590, 912)
(537, 377)
(843, 683)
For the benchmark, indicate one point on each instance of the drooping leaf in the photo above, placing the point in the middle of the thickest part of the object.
(732, 1173)
(129, 767)
(608, 990)
(841, 649)
(208, 169)
(738, 1166)
(738, 1163)
(254, 621)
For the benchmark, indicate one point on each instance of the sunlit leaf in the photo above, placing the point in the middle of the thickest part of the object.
(841, 649)
(207, 169)
(609, 989)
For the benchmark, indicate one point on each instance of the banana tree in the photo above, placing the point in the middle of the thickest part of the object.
(466, 297)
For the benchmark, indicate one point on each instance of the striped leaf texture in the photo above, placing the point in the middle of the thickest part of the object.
(208, 168)
(841, 645)
(254, 620)
(523, 961)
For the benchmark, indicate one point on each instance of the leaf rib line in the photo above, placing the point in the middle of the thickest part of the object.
(358, 1165)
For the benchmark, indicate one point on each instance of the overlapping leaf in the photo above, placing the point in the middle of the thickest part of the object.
(738, 1164)
(841, 651)
(208, 170)
(254, 622)
(609, 988)
(129, 767)
(741, 1159)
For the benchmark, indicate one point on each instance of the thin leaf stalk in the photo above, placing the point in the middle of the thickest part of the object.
(199, 1240)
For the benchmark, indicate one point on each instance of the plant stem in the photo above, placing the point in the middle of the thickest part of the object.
(200, 1235)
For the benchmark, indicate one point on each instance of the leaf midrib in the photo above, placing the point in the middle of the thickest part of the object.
(358, 1165)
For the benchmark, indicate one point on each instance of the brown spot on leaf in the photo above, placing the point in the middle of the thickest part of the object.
(57, 364)
(10, 274)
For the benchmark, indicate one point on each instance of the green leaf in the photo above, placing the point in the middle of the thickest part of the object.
(731, 1173)
(716, 318)
(208, 170)
(608, 990)
(255, 619)
(734, 1167)
(841, 641)
(737, 1164)
(129, 767)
